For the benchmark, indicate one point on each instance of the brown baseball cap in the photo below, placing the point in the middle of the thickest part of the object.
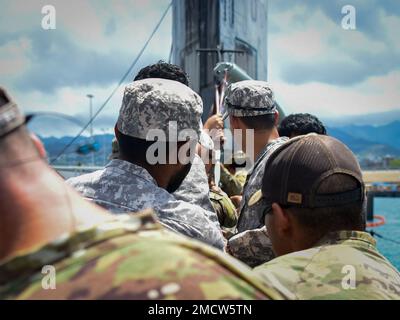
(295, 171)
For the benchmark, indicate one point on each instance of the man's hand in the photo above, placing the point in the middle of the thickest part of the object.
(236, 200)
(214, 122)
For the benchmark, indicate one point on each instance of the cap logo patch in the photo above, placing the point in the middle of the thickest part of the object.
(295, 197)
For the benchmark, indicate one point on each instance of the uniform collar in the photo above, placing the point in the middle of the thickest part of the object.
(131, 168)
(341, 237)
(70, 245)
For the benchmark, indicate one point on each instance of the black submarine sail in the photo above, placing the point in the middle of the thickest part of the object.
(214, 37)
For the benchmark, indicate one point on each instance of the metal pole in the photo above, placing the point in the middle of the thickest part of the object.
(90, 96)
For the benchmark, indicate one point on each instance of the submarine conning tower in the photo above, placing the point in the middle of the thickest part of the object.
(206, 32)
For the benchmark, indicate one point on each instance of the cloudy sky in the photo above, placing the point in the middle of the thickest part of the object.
(314, 64)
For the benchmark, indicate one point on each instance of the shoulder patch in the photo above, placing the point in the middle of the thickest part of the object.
(255, 198)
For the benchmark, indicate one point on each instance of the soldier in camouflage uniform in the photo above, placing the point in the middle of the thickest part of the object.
(194, 188)
(154, 109)
(250, 105)
(130, 257)
(316, 223)
(47, 229)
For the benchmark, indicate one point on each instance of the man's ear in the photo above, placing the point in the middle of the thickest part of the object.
(232, 122)
(38, 145)
(282, 219)
(276, 117)
(116, 132)
(235, 122)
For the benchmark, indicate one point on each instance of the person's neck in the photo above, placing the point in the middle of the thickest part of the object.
(160, 173)
(262, 138)
(37, 207)
(305, 239)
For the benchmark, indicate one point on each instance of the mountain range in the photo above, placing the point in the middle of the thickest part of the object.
(366, 141)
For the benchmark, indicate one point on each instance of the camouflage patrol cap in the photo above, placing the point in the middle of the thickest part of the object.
(249, 98)
(159, 104)
(10, 115)
(300, 166)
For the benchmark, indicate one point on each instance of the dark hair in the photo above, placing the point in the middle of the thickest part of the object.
(299, 124)
(163, 70)
(320, 221)
(262, 122)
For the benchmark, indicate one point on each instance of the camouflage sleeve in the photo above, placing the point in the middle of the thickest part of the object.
(229, 183)
(150, 265)
(192, 221)
(195, 191)
(224, 208)
(253, 247)
(194, 188)
(240, 177)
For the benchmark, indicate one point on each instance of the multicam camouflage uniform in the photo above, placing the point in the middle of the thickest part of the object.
(130, 257)
(232, 184)
(319, 272)
(223, 206)
(148, 107)
(247, 99)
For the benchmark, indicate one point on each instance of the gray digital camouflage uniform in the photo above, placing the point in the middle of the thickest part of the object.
(250, 215)
(249, 98)
(166, 111)
(194, 188)
(123, 187)
(149, 105)
(251, 245)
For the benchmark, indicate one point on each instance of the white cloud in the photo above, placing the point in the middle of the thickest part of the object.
(311, 38)
(14, 57)
(85, 23)
(73, 102)
(376, 94)
(305, 36)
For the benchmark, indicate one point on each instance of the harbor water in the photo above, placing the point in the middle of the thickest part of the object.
(390, 209)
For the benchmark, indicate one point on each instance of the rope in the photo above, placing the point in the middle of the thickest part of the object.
(373, 233)
(380, 221)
